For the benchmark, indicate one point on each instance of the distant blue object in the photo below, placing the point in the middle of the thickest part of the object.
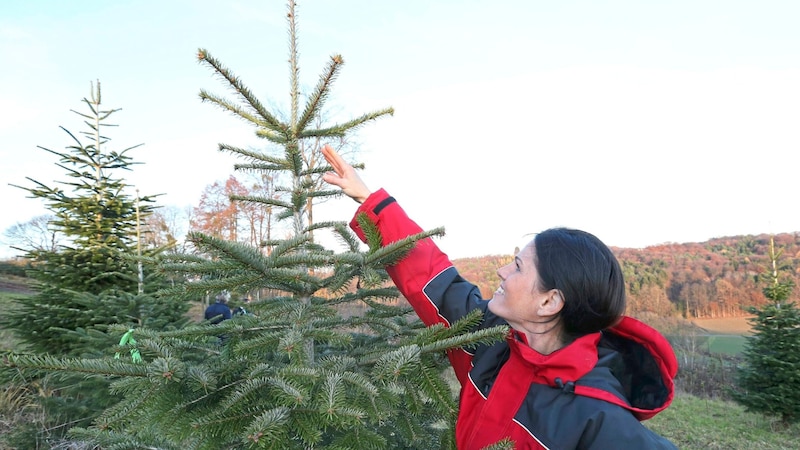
(217, 312)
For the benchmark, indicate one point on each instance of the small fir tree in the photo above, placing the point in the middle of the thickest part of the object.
(90, 281)
(769, 382)
(298, 372)
(99, 222)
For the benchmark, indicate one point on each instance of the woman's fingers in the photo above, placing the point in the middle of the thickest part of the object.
(333, 158)
(345, 177)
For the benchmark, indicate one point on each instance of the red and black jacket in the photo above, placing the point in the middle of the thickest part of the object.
(590, 394)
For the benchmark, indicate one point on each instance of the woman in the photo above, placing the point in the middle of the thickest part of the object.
(573, 373)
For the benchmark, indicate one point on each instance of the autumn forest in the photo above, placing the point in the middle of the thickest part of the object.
(713, 279)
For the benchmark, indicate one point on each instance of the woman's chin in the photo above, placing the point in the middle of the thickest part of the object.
(492, 305)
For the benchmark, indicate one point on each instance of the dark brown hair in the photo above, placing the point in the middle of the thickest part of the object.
(588, 275)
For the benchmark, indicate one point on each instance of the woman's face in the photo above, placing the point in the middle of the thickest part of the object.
(516, 298)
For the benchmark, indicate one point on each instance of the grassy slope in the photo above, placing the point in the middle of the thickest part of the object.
(7, 340)
(695, 423)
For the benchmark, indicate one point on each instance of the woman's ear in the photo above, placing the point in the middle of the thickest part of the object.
(552, 303)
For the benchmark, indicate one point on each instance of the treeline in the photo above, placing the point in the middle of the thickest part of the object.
(717, 278)
(713, 279)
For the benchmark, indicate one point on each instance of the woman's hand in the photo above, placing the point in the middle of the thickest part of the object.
(345, 176)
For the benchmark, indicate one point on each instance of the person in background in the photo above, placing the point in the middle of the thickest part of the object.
(219, 310)
(573, 372)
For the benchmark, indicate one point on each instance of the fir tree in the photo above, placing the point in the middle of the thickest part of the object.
(99, 221)
(298, 372)
(768, 382)
(90, 281)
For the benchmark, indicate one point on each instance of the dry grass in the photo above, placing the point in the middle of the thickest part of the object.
(736, 325)
(17, 407)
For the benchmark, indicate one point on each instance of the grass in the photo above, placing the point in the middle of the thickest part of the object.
(726, 336)
(7, 340)
(728, 345)
(696, 423)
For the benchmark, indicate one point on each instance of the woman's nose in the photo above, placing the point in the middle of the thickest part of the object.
(500, 272)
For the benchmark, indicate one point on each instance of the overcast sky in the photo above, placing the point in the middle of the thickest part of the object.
(642, 122)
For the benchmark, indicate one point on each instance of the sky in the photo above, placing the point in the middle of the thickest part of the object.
(642, 122)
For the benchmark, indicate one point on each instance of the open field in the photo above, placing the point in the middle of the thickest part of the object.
(726, 345)
(726, 336)
(736, 325)
(10, 284)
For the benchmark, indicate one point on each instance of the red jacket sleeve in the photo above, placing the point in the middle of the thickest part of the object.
(421, 265)
(425, 277)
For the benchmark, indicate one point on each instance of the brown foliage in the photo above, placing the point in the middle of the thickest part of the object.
(716, 278)
(482, 271)
(216, 214)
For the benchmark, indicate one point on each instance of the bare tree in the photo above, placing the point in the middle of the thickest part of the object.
(166, 227)
(35, 234)
(258, 221)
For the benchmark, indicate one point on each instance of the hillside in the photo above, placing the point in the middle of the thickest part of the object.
(15, 286)
(712, 279)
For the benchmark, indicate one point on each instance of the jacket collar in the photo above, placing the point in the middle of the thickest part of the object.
(563, 366)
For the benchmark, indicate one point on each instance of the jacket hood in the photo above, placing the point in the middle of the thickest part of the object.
(636, 368)
(631, 365)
